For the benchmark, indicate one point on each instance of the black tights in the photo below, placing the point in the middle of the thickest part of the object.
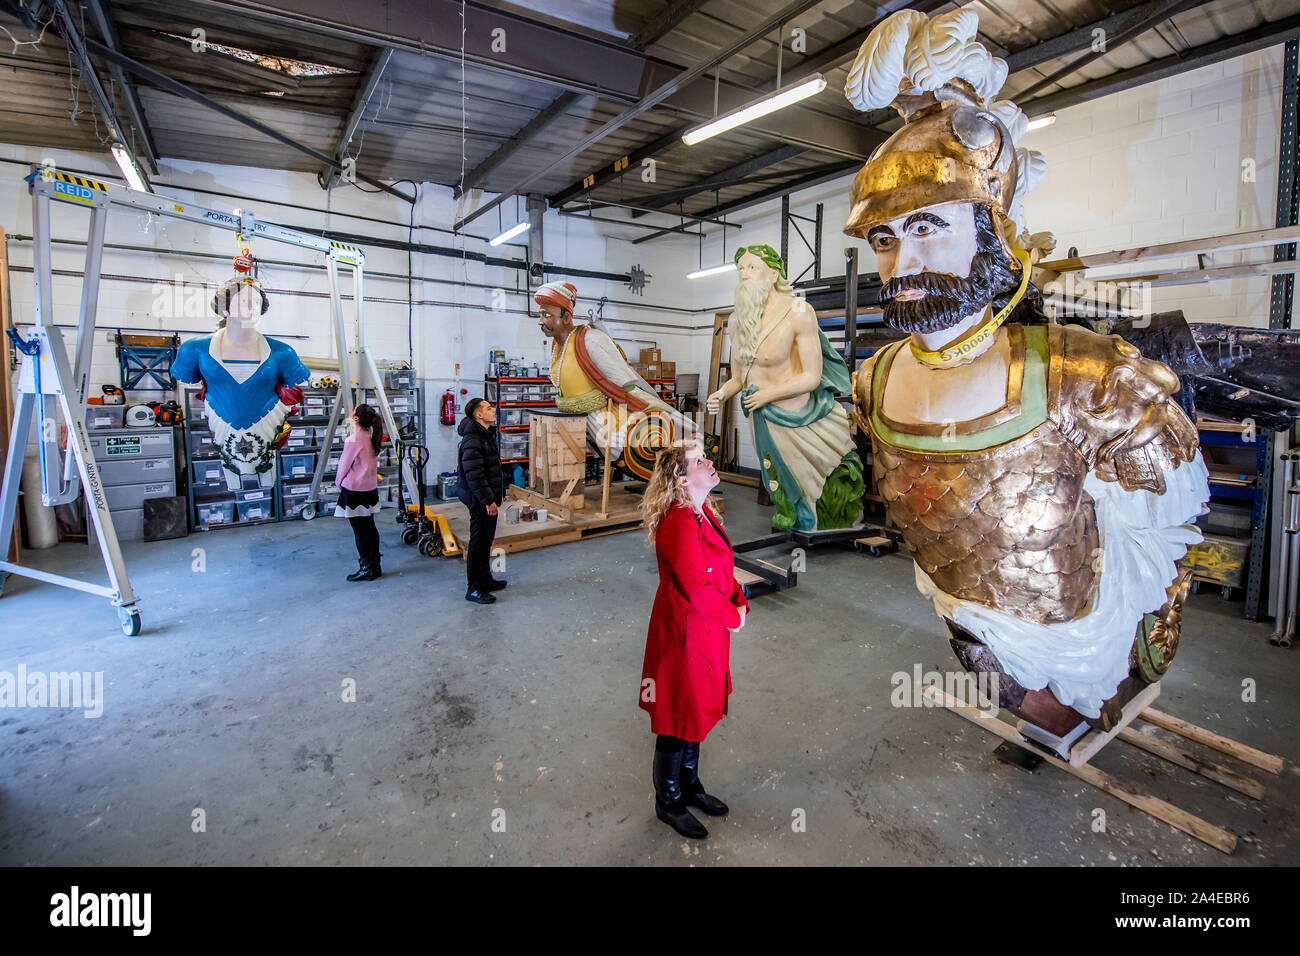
(367, 537)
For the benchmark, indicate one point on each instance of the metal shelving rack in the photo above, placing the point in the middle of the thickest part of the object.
(313, 414)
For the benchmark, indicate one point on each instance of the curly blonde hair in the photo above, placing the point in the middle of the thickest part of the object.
(664, 490)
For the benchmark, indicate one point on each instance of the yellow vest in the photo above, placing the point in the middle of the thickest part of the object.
(571, 379)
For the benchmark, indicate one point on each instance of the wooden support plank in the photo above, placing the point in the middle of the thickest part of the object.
(579, 453)
(553, 507)
(1176, 817)
(715, 359)
(1183, 247)
(1211, 771)
(1086, 747)
(609, 467)
(568, 491)
(1256, 758)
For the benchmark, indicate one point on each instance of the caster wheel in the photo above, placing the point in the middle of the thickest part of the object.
(130, 621)
(876, 552)
(431, 545)
(410, 535)
(309, 510)
(400, 517)
(1196, 587)
(1227, 593)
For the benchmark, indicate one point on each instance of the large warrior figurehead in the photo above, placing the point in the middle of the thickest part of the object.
(1042, 476)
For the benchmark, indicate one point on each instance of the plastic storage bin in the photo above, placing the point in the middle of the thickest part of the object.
(294, 500)
(208, 471)
(215, 511)
(297, 465)
(255, 505)
(104, 416)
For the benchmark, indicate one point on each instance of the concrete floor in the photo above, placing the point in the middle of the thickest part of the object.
(231, 702)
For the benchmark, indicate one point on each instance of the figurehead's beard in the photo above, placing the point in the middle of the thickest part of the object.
(751, 296)
(948, 299)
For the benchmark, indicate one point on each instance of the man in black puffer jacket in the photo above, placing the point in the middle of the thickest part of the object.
(481, 491)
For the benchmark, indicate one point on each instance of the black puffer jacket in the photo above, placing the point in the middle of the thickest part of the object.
(479, 464)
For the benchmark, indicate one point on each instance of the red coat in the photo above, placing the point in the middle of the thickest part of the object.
(688, 646)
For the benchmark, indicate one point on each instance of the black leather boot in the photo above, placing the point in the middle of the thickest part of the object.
(670, 805)
(692, 789)
(375, 569)
(363, 568)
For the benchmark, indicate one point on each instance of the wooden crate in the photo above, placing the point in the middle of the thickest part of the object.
(557, 457)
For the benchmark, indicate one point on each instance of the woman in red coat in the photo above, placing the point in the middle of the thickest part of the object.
(686, 677)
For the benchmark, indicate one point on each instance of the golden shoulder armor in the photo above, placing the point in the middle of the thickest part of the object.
(1116, 407)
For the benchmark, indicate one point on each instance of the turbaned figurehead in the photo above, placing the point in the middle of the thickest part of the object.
(589, 369)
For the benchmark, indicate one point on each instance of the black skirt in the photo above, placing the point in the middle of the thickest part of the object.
(356, 504)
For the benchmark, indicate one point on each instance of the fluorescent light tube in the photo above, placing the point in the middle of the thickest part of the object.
(509, 234)
(787, 95)
(129, 169)
(1041, 121)
(713, 271)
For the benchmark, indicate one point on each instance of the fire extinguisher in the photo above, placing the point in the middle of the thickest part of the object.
(447, 414)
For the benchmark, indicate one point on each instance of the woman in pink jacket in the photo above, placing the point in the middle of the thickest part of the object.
(358, 482)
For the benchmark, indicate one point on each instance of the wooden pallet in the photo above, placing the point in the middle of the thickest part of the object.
(1086, 747)
(623, 514)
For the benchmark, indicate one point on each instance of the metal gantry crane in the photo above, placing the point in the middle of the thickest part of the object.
(50, 381)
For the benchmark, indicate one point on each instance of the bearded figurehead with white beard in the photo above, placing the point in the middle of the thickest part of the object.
(789, 377)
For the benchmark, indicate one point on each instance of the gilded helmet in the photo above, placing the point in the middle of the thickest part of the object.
(950, 149)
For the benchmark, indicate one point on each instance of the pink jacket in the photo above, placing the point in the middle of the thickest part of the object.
(359, 464)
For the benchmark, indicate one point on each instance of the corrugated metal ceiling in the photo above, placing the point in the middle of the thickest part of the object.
(423, 124)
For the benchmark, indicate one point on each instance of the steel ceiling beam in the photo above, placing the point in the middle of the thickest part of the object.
(730, 176)
(665, 23)
(103, 21)
(1082, 38)
(612, 170)
(1160, 13)
(821, 175)
(652, 31)
(476, 176)
(166, 83)
(1237, 44)
(360, 103)
(79, 48)
(651, 100)
(532, 49)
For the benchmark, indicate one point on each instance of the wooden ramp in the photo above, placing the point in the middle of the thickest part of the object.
(624, 514)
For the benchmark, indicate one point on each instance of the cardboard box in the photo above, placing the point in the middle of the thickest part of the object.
(667, 370)
(651, 356)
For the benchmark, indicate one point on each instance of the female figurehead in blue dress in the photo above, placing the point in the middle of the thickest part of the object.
(250, 382)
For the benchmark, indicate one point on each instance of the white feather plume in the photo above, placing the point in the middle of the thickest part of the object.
(937, 51)
(1016, 122)
(877, 71)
